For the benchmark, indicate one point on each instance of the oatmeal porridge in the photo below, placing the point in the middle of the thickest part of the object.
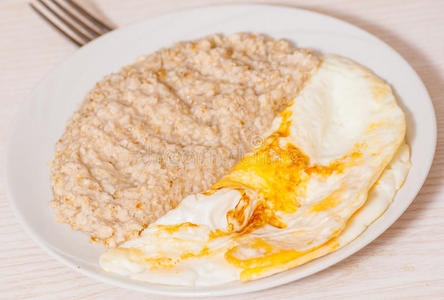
(167, 126)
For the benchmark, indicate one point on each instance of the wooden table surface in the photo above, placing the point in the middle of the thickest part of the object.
(407, 261)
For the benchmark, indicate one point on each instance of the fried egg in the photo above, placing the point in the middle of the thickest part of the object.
(329, 166)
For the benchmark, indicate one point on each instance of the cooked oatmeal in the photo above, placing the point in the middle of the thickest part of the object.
(167, 126)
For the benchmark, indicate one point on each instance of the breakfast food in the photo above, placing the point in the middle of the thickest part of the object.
(329, 165)
(280, 157)
(170, 125)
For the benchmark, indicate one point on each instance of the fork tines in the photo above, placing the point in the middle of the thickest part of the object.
(70, 19)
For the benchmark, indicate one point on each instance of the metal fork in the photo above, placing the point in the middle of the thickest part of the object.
(71, 20)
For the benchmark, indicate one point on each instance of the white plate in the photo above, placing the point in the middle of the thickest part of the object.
(42, 121)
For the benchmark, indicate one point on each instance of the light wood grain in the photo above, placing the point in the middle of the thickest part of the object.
(406, 262)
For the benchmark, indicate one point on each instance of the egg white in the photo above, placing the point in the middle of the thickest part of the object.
(343, 109)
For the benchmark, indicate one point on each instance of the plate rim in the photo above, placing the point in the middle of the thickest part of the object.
(152, 288)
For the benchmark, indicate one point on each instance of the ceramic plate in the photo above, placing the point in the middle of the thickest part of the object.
(42, 120)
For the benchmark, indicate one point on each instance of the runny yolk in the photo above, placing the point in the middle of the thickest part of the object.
(328, 202)
(176, 227)
(276, 174)
(273, 258)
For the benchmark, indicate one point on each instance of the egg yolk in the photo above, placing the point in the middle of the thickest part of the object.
(277, 174)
